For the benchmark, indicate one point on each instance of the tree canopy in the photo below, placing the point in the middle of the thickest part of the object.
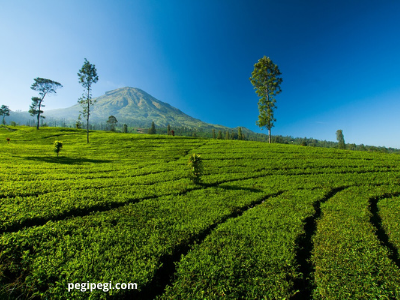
(340, 139)
(112, 122)
(4, 111)
(266, 81)
(87, 77)
(43, 86)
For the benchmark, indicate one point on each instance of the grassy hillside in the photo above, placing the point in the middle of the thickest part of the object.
(131, 106)
(268, 221)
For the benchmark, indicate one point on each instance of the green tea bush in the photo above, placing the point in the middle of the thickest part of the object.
(350, 261)
(57, 147)
(196, 168)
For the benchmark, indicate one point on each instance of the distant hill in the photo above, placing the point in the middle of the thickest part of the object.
(131, 106)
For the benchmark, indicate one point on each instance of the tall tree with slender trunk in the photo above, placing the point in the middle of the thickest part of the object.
(43, 86)
(266, 81)
(4, 111)
(87, 77)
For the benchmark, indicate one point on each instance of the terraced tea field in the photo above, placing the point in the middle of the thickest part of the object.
(267, 222)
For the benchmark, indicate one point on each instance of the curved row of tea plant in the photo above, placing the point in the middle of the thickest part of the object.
(389, 211)
(119, 245)
(249, 257)
(350, 261)
(122, 209)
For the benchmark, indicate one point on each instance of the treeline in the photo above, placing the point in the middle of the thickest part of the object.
(232, 134)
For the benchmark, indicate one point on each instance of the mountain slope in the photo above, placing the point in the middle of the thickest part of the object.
(132, 106)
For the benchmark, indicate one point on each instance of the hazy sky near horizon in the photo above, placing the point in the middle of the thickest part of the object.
(340, 60)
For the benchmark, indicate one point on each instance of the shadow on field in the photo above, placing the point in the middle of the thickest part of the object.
(231, 187)
(67, 160)
(305, 285)
(164, 275)
(382, 235)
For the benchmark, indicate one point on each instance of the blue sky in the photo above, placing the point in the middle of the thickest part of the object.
(340, 60)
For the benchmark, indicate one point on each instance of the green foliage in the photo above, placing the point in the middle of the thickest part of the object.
(122, 206)
(266, 81)
(250, 257)
(351, 261)
(112, 122)
(57, 147)
(168, 129)
(227, 135)
(152, 129)
(87, 77)
(43, 86)
(196, 168)
(12, 123)
(78, 124)
(389, 211)
(125, 128)
(240, 134)
(219, 137)
(4, 111)
(340, 139)
(213, 133)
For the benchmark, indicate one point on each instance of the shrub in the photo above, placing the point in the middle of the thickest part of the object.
(196, 168)
(57, 147)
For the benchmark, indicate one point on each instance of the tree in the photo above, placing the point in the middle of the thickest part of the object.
(240, 134)
(266, 81)
(213, 133)
(43, 86)
(112, 121)
(87, 77)
(352, 147)
(125, 128)
(168, 129)
(152, 129)
(340, 139)
(57, 147)
(227, 135)
(362, 148)
(4, 111)
(78, 123)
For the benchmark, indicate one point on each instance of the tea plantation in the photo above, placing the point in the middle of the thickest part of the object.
(266, 222)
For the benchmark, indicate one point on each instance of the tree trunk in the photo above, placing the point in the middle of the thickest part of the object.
(269, 135)
(37, 126)
(87, 119)
(87, 128)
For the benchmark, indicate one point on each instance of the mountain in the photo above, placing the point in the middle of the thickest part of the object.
(131, 106)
